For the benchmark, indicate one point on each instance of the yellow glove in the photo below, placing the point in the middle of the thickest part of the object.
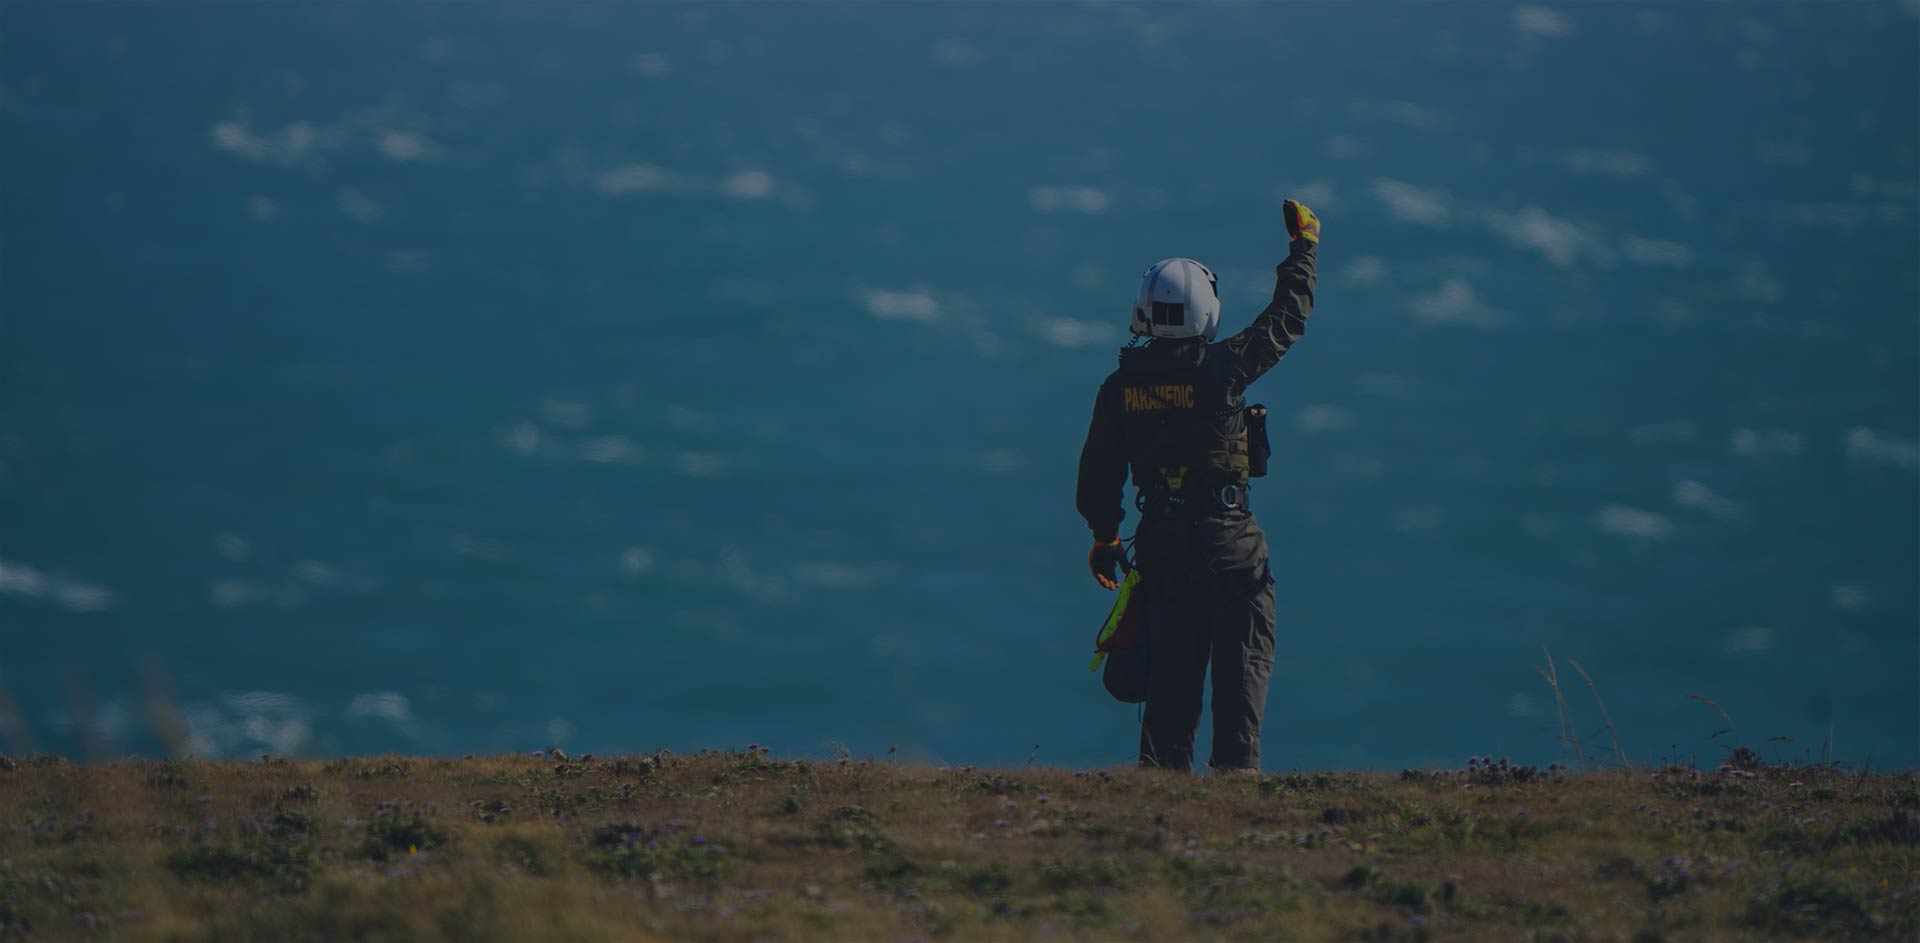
(1301, 223)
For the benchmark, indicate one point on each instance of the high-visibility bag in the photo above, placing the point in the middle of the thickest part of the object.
(1122, 644)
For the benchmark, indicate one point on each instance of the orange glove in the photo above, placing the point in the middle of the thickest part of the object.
(1103, 558)
(1301, 223)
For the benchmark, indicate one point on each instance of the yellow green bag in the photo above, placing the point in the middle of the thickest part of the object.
(1122, 644)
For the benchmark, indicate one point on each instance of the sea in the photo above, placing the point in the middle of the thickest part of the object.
(449, 378)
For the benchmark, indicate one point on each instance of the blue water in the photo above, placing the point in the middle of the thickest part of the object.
(455, 378)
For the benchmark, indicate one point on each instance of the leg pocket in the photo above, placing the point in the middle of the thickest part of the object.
(1233, 547)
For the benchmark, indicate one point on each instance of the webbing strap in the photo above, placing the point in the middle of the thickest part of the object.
(1113, 618)
(1225, 498)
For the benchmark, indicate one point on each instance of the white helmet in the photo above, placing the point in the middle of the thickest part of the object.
(1178, 298)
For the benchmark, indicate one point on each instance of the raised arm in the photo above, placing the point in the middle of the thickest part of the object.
(1256, 349)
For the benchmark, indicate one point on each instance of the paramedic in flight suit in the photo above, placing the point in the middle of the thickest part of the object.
(1174, 417)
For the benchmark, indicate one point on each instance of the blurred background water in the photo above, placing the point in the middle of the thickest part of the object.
(461, 377)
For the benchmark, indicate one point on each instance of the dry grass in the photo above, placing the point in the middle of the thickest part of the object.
(739, 846)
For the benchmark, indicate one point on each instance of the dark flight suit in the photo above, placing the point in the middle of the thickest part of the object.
(1172, 415)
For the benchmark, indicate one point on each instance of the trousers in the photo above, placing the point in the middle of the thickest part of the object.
(1208, 593)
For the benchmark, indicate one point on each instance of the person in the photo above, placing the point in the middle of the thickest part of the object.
(1174, 416)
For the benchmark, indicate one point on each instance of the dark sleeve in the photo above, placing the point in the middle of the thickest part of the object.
(1103, 467)
(1256, 349)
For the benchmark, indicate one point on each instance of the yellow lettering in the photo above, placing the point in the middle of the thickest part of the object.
(1165, 396)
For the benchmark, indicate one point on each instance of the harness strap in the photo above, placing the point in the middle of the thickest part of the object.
(1160, 502)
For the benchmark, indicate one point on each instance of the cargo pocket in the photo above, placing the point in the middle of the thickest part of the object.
(1244, 583)
(1233, 546)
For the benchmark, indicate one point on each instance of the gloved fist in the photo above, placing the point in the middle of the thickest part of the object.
(1301, 223)
(1104, 558)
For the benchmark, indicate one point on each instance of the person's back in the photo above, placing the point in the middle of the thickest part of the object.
(1173, 417)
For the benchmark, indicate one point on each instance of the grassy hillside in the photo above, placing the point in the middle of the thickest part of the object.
(740, 846)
